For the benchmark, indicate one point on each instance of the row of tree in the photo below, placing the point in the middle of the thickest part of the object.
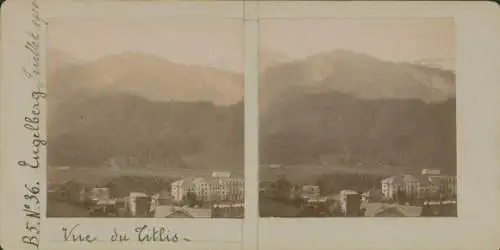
(282, 188)
(122, 186)
(334, 182)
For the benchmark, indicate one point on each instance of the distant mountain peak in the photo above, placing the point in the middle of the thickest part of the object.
(343, 54)
(269, 58)
(360, 75)
(151, 77)
(439, 63)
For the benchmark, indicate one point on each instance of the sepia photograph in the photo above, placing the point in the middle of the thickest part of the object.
(145, 118)
(357, 118)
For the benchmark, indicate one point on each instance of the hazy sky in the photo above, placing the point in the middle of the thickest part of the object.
(389, 39)
(214, 42)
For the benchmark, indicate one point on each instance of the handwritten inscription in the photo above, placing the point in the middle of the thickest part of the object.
(143, 233)
(121, 237)
(31, 73)
(32, 123)
(153, 234)
(32, 214)
(73, 235)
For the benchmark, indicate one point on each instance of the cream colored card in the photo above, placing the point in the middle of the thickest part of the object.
(362, 98)
(143, 104)
(249, 125)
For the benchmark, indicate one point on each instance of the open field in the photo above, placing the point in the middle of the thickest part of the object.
(310, 173)
(98, 174)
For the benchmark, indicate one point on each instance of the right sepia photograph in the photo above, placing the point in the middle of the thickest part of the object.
(357, 118)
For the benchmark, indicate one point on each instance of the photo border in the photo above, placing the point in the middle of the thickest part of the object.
(473, 45)
(200, 233)
(478, 70)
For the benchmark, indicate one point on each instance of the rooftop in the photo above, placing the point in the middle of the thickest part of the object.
(221, 174)
(183, 212)
(391, 210)
(201, 180)
(399, 179)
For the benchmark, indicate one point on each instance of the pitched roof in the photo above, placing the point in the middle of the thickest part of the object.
(221, 174)
(424, 180)
(411, 211)
(400, 179)
(199, 212)
(388, 179)
(371, 209)
(348, 191)
(199, 180)
(390, 212)
(440, 178)
(163, 211)
(187, 180)
(179, 214)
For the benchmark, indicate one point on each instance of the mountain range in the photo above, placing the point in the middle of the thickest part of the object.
(439, 63)
(346, 107)
(143, 110)
(145, 75)
(269, 58)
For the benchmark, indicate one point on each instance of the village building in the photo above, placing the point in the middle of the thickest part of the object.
(310, 191)
(209, 189)
(426, 171)
(429, 185)
(407, 183)
(445, 184)
(345, 196)
(221, 174)
(137, 204)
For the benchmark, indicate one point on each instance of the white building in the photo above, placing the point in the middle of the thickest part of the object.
(221, 175)
(426, 171)
(407, 183)
(444, 184)
(209, 189)
(343, 198)
(421, 187)
(131, 202)
(310, 191)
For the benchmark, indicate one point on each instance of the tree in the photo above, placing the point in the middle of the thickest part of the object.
(326, 184)
(426, 211)
(283, 187)
(335, 210)
(401, 196)
(442, 192)
(191, 199)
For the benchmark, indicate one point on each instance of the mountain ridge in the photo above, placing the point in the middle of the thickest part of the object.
(360, 75)
(147, 133)
(347, 108)
(350, 109)
(149, 76)
(349, 131)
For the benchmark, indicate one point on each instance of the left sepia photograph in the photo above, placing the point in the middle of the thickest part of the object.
(145, 118)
